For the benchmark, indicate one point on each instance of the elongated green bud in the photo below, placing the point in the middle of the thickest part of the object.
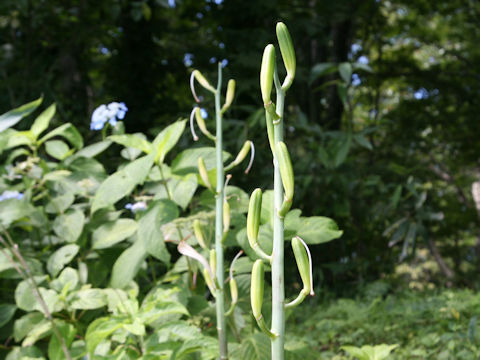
(202, 169)
(233, 290)
(286, 172)
(256, 288)
(209, 281)
(253, 217)
(197, 230)
(288, 54)
(226, 216)
(266, 73)
(201, 124)
(213, 260)
(304, 264)
(203, 81)
(230, 95)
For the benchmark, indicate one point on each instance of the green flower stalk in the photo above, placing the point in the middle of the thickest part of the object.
(215, 277)
(283, 197)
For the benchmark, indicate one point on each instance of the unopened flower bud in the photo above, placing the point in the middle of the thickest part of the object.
(230, 95)
(266, 72)
(288, 54)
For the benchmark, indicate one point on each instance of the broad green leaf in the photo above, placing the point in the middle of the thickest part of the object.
(342, 149)
(133, 141)
(25, 353)
(67, 332)
(6, 313)
(93, 150)
(12, 210)
(318, 229)
(60, 203)
(361, 140)
(67, 131)
(128, 264)
(254, 347)
(57, 261)
(113, 232)
(57, 149)
(87, 299)
(149, 228)
(321, 69)
(12, 117)
(181, 189)
(27, 299)
(100, 329)
(69, 225)
(66, 281)
(201, 344)
(16, 153)
(345, 70)
(167, 139)
(43, 120)
(121, 183)
(187, 161)
(25, 324)
(19, 138)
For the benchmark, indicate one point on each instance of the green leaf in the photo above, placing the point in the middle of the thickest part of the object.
(321, 69)
(100, 329)
(69, 225)
(341, 149)
(6, 313)
(67, 280)
(42, 121)
(167, 139)
(12, 117)
(182, 189)
(345, 70)
(254, 347)
(25, 324)
(12, 210)
(128, 264)
(25, 353)
(27, 300)
(87, 299)
(121, 183)
(132, 141)
(149, 228)
(187, 161)
(361, 140)
(57, 261)
(93, 150)
(57, 149)
(67, 131)
(67, 332)
(318, 229)
(113, 232)
(60, 203)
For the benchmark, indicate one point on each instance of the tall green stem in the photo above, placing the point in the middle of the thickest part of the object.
(278, 284)
(220, 298)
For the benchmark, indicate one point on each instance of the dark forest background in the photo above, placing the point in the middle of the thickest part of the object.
(383, 118)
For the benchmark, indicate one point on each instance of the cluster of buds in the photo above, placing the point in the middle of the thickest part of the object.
(269, 77)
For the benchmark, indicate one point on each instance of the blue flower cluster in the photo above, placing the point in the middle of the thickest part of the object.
(108, 113)
(7, 194)
(141, 205)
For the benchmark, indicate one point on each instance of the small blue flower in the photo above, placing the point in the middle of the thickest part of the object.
(188, 59)
(213, 60)
(108, 113)
(224, 62)
(172, 3)
(138, 206)
(203, 113)
(8, 194)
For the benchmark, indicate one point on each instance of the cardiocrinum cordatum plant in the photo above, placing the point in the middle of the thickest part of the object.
(282, 202)
(213, 270)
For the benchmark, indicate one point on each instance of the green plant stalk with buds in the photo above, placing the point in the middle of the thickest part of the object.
(283, 196)
(222, 208)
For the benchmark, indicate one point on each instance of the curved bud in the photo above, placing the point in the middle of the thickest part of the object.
(226, 216)
(286, 172)
(201, 123)
(266, 72)
(288, 54)
(197, 230)
(192, 87)
(202, 169)
(233, 290)
(253, 217)
(256, 288)
(192, 128)
(203, 81)
(209, 281)
(213, 260)
(304, 263)
(185, 249)
(230, 95)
